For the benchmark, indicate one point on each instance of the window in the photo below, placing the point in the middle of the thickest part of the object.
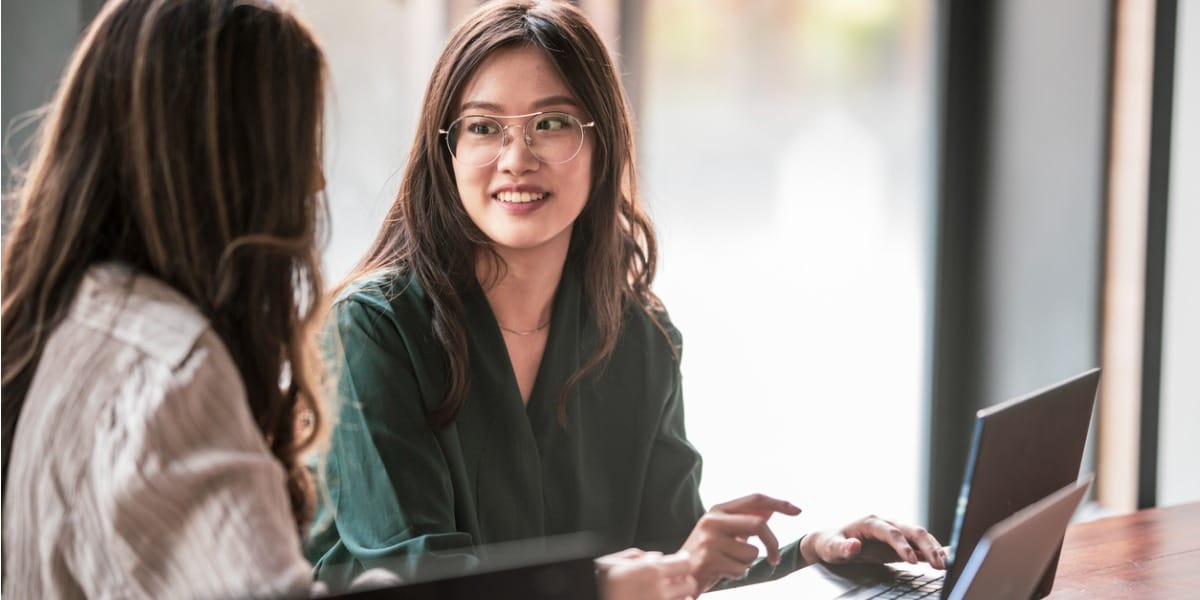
(380, 54)
(786, 156)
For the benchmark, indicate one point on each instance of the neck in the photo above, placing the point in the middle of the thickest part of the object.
(521, 293)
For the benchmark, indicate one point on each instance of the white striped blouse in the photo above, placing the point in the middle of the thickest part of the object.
(137, 470)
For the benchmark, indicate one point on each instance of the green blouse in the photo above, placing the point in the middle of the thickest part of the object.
(401, 493)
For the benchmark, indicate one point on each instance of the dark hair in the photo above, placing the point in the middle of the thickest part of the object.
(185, 141)
(428, 232)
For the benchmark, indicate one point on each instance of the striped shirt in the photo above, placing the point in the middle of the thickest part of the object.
(137, 470)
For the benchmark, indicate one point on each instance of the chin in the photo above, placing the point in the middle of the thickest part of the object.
(524, 240)
(519, 242)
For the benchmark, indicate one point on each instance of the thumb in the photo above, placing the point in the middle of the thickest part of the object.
(840, 549)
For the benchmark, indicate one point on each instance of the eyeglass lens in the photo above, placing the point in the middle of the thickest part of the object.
(553, 138)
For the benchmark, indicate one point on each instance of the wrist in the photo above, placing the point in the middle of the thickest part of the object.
(808, 549)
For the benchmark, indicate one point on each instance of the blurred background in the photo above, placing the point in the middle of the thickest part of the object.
(875, 218)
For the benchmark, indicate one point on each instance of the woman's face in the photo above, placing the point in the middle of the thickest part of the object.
(520, 202)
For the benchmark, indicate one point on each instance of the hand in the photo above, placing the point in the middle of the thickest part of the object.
(874, 540)
(718, 545)
(639, 575)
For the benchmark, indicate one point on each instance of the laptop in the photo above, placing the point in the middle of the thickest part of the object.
(1011, 557)
(1023, 451)
(1008, 562)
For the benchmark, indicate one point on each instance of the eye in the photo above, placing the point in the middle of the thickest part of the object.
(481, 127)
(554, 122)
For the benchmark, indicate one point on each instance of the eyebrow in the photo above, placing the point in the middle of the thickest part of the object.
(540, 104)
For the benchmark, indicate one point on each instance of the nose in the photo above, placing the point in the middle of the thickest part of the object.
(515, 156)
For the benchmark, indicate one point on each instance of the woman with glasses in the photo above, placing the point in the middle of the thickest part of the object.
(506, 371)
(161, 281)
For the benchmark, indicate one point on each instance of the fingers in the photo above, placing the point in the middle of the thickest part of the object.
(741, 527)
(729, 561)
(762, 506)
(899, 542)
(877, 553)
(920, 544)
(739, 552)
(892, 535)
(716, 555)
(718, 542)
(927, 546)
(759, 504)
(720, 555)
(874, 528)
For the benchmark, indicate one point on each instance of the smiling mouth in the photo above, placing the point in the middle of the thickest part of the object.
(520, 197)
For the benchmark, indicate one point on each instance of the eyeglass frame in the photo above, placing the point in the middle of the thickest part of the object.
(504, 137)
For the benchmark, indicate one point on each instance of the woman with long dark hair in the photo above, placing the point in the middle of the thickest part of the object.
(160, 291)
(506, 370)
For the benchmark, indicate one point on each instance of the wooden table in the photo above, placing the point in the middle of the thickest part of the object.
(1154, 553)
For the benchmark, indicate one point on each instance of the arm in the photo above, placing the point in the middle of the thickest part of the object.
(673, 515)
(722, 559)
(193, 501)
(392, 502)
(716, 540)
(671, 503)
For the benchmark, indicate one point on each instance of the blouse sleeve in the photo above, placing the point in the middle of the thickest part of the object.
(194, 501)
(671, 503)
(389, 483)
(671, 494)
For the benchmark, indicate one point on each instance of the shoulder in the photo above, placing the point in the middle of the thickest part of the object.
(136, 310)
(146, 372)
(386, 312)
(133, 335)
(661, 317)
(380, 288)
(650, 330)
(386, 293)
(152, 343)
(653, 317)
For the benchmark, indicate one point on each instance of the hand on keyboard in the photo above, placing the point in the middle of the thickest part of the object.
(874, 540)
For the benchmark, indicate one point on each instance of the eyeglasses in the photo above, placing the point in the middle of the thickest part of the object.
(552, 137)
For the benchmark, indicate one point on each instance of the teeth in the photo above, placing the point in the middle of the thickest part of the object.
(519, 197)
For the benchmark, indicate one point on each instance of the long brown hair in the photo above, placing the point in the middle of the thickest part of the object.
(428, 232)
(185, 141)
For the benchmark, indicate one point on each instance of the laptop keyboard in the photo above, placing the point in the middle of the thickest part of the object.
(911, 585)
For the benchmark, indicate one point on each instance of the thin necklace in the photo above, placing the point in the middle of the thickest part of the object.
(527, 331)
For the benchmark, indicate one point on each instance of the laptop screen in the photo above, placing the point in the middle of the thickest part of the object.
(1022, 451)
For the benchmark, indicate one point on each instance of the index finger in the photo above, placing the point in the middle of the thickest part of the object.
(887, 532)
(760, 504)
(747, 525)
